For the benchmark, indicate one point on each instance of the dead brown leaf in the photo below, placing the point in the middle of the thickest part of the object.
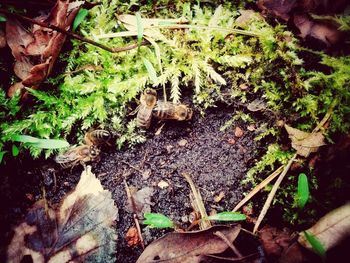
(331, 229)
(304, 142)
(279, 8)
(36, 50)
(79, 229)
(188, 247)
(326, 33)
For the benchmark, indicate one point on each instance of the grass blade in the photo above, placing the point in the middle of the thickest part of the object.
(139, 29)
(51, 144)
(303, 190)
(79, 18)
(24, 138)
(228, 216)
(315, 244)
(150, 69)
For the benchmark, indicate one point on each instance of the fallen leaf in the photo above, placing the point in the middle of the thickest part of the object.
(140, 201)
(331, 229)
(304, 142)
(238, 132)
(326, 33)
(189, 246)
(279, 8)
(80, 229)
(132, 237)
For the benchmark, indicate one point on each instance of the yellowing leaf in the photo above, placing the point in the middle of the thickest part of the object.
(331, 229)
(80, 230)
(304, 142)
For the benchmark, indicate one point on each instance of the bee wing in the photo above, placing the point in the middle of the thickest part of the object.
(135, 111)
(69, 156)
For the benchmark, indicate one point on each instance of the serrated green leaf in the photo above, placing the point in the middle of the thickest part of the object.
(24, 138)
(79, 18)
(150, 69)
(15, 150)
(157, 220)
(50, 144)
(228, 216)
(2, 18)
(2, 153)
(139, 29)
(315, 244)
(303, 190)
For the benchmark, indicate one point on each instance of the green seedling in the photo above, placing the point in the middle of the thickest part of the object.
(79, 18)
(15, 150)
(316, 245)
(155, 220)
(302, 195)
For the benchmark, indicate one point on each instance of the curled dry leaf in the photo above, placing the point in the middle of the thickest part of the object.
(35, 51)
(304, 142)
(79, 230)
(331, 229)
(189, 246)
(132, 237)
(326, 33)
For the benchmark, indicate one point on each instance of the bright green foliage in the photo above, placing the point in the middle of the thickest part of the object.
(40, 143)
(79, 18)
(158, 221)
(302, 195)
(315, 244)
(15, 150)
(227, 216)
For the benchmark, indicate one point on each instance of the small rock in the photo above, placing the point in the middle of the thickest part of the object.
(184, 218)
(231, 141)
(146, 174)
(163, 184)
(169, 148)
(244, 86)
(251, 127)
(238, 132)
(182, 142)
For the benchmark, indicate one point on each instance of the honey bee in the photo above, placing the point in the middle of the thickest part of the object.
(80, 154)
(97, 137)
(166, 110)
(144, 114)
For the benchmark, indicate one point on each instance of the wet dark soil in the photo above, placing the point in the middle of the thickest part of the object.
(217, 162)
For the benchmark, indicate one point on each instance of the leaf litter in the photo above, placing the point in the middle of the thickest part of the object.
(80, 228)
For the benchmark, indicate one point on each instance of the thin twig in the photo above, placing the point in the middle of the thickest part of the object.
(225, 239)
(272, 194)
(132, 166)
(258, 188)
(326, 116)
(204, 223)
(136, 220)
(69, 33)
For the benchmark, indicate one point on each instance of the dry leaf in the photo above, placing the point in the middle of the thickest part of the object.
(304, 142)
(256, 105)
(279, 8)
(188, 247)
(36, 51)
(331, 229)
(326, 33)
(140, 201)
(244, 20)
(80, 229)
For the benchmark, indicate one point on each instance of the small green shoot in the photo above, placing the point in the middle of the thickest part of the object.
(227, 216)
(2, 18)
(2, 153)
(316, 245)
(155, 220)
(303, 191)
(15, 150)
(40, 143)
(150, 69)
(79, 18)
(139, 29)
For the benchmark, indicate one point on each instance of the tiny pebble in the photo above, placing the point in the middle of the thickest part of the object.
(182, 142)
